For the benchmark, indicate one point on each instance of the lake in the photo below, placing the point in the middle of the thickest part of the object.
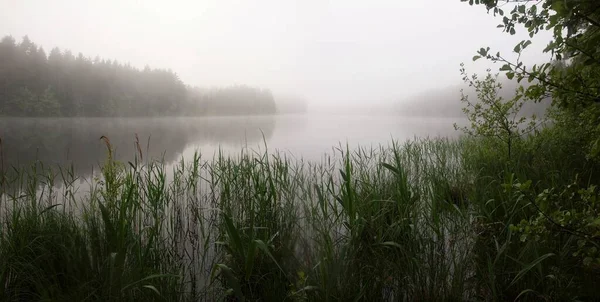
(190, 213)
(77, 141)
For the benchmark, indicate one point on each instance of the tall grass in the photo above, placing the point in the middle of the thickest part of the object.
(427, 220)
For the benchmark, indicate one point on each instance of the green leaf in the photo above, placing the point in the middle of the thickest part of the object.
(475, 58)
(505, 67)
(526, 185)
(392, 168)
(49, 208)
(152, 288)
(108, 226)
(595, 149)
(529, 267)
(517, 48)
(232, 281)
(558, 7)
(512, 31)
(344, 177)
(265, 249)
(151, 277)
(250, 259)
(307, 289)
(233, 233)
(391, 244)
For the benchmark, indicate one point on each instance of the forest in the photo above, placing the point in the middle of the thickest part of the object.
(60, 84)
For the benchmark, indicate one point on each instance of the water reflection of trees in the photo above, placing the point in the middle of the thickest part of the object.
(77, 141)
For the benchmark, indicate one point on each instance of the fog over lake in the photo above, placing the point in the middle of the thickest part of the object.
(299, 150)
(61, 141)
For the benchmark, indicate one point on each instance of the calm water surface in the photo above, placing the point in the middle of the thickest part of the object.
(77, 141)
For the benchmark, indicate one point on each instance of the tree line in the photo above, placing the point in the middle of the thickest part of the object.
(33, 83)
(445, 102)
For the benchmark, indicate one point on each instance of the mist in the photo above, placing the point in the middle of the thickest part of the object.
(299, 150)
(331, 53)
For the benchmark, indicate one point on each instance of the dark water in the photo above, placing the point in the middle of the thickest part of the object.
(77, 141)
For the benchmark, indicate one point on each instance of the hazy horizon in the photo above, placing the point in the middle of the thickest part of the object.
(330, 53)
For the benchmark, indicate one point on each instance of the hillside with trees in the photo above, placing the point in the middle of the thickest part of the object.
(33, 83)
(446, 102)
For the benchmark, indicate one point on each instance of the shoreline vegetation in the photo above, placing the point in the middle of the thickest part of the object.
(510, 211)
(430, 219)
(61, 84)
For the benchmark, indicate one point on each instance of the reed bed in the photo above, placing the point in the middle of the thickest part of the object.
(425, 220)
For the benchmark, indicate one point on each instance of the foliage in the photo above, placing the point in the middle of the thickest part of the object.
(257, 227)
(61, 84)
(554, 215)
(574, 211)
(262, 227)
(427, 220)
(571, 77)
(97, 252)
(233, 100)
(25, 103)
(492, 116)
(47, 104)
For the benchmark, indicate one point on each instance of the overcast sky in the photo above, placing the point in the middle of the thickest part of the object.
(327, 51)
